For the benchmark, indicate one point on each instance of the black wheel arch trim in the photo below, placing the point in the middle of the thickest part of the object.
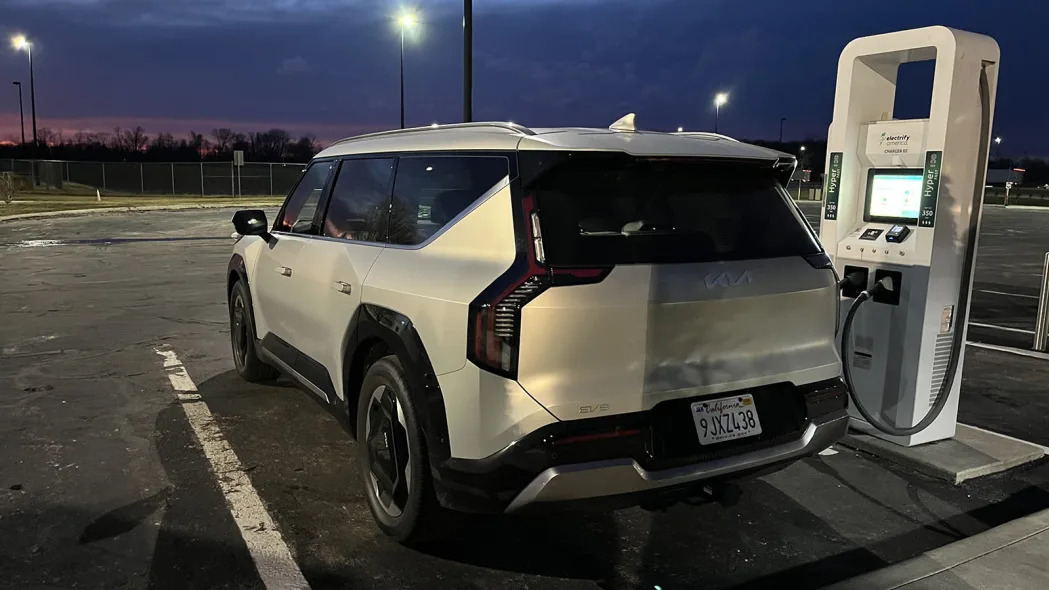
(397, 332)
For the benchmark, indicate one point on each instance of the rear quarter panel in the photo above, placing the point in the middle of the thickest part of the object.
(434, 285)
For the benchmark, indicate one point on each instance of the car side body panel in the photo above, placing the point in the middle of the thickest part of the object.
(331, 277)
(435, 285)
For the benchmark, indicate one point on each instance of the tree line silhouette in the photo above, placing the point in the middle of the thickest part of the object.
(135, 145)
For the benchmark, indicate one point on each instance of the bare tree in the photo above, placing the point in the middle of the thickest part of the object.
(224, 138)
(199, 143)
(48, 136)
(130, 140)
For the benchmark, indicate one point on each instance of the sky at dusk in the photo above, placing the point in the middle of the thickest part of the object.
(329, 67)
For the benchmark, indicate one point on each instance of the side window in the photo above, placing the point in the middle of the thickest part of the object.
(431, 190)
(297, 213)
(360, 200)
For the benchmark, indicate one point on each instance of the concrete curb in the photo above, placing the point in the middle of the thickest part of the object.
(104, 210)
(944, 558)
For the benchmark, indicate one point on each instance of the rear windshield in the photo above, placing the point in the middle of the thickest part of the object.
(611, 209)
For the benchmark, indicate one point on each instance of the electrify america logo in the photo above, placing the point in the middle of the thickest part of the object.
(894, 144)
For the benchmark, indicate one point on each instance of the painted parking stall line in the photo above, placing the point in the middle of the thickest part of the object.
(271, 555)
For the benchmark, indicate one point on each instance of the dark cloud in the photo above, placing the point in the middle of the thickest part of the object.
(549, 62)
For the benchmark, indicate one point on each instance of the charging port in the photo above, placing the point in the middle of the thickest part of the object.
(884, 295)
(854, 281)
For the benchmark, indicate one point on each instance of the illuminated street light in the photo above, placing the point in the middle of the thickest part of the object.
(998, 146)
(20, 43)
(719, 99)
(680, 129)
(802, 148)
(406, 20)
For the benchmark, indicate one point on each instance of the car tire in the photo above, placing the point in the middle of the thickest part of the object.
(392, 458)
(242, 338)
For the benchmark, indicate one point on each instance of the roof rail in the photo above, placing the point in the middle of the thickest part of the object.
(480, 124)
(705, 134)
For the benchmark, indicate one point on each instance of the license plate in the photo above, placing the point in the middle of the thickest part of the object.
(726, 418)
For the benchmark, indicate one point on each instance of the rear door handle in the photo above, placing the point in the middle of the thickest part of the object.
(342, 287)
(284, 271)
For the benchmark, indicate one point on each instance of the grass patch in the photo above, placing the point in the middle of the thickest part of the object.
(39, 203)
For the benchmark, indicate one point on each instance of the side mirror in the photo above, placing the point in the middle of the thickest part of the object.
(251, 222)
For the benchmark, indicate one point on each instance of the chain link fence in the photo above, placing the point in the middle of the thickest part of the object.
(157, 178)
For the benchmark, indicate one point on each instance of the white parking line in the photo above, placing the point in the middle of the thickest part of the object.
(268, 550)
(1029, 353)
(1008, 294)
(1003, 328)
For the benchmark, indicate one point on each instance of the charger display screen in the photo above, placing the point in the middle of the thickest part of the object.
(893, 195)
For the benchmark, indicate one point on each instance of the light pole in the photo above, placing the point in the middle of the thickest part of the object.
(781, 121)
(406, 21)
(20, 42)
(719, 99)
(998, 147)
(801, 163)
(21, 117)
(468, 61)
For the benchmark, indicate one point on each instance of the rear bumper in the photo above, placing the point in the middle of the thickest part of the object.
(616, 477)
(630, 459)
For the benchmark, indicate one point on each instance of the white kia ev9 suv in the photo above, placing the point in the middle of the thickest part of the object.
(512, 319)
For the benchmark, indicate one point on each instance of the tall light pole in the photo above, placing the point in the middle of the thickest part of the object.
(20, 42)
(802, 165)
(998, 147)
(781, 121)
(468, 61)
(406, 21)
(21, 117)
(719, 99)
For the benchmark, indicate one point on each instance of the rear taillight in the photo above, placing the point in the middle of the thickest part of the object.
(494, 329)
(494, 332)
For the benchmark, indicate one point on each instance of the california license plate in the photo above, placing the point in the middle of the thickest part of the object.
(727, 418)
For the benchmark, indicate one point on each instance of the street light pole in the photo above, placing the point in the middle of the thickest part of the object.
(21, 117)
(405, 21)
(32, 91)
(468, 67)
(402, 76)
(781, 120)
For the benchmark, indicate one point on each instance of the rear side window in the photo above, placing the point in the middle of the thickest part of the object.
(297, 214)
(600, 210)
(430, 191)
(360, 200)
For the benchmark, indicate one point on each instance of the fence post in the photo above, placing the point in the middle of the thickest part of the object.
(141, 178)
(271, 179)
(103, 165)
(202, 178)
(172, 179)
(232, 185)
(1041, 330)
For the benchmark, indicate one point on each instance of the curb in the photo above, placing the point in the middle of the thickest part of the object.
(943, 559)
(105, 210)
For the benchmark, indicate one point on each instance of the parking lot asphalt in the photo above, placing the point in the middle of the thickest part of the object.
(104, 483)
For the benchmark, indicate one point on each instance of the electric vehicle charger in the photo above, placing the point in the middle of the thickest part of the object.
(963, 300)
